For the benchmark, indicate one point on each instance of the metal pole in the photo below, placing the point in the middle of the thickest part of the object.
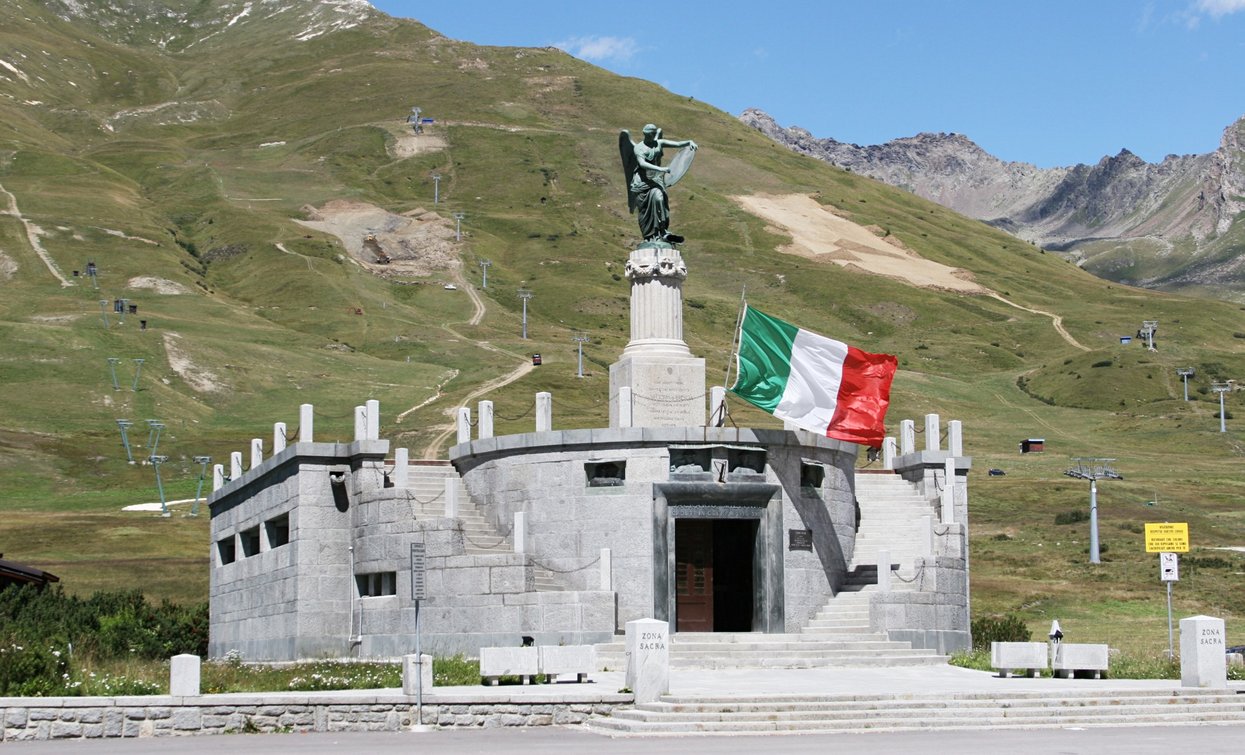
(103, 312)
(204, 460)
(155, 462)
(125, 440)
(1223, 428)
(419, 669)
(436, 188)
(1170, 646)
(138, 370)
(112, 370)
(525, 294)
(1093, 521)
(458, 228)
(580, 339)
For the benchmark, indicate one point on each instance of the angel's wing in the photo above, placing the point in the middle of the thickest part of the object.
(626, 150)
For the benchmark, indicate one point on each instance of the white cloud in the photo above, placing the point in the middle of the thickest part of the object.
(1217, 8)
(600, 49)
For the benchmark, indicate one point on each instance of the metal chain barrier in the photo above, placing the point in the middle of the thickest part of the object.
(548, 568)
(530, 409)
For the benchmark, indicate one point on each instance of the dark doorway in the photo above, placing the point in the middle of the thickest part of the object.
(713, 574)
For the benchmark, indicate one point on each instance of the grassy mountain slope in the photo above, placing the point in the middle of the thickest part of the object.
(191, 163)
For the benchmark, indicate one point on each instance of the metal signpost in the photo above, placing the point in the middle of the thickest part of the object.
(419, 591)
(1167, 539)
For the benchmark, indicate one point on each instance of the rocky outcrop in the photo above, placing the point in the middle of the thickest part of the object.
(1193, 197)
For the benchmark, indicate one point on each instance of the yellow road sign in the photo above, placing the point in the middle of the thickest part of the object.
(1167, 537)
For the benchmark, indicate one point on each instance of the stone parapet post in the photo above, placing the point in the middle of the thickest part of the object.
(464, 424)
(306, 421)
(933, 433)
(544, 412)
(278, 438)
(486, 419)
(401, 476)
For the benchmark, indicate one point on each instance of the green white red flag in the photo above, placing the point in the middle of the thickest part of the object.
(816, 383)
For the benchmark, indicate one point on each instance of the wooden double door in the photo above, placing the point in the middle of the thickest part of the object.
(714, 567)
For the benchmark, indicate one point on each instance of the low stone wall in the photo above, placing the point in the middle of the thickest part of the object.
(26, 718)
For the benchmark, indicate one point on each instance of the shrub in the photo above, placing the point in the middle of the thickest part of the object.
(988, 629)
(1072, 517)
(1102, 363)
(29, 669)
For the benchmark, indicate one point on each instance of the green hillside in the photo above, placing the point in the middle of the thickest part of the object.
(190, 163)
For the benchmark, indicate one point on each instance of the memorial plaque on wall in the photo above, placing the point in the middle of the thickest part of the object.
(799, 540)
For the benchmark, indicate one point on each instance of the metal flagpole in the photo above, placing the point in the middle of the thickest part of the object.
(726, 381)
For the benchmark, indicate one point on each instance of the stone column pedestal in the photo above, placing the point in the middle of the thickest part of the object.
(667, 383)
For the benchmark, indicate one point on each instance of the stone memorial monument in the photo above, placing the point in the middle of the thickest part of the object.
(1203, 662)
(665, 381)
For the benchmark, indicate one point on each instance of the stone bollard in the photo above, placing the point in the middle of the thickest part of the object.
(717, 406)
(520, 532)
(889, 451)
(401, 476)
(955, 437)
(907, 437)
(464, 424)
(372, 427)
(415, 674)
(925, 527)
(544, 412)
(218, 477)
(932, 432)
(648, 659)
(1203, 645)
(184, 675)
(235, 465)
(486, 419)
(278, 438)
(360, 423)
(306, 421)
(948, 491)
(884, 571)
(451, 497)
(257, 452)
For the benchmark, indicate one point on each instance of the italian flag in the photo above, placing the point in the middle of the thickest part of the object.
(816, 383)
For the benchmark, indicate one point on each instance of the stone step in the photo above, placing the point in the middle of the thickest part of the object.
(780, 713)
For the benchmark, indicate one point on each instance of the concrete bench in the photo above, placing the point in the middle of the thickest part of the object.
(1030, 657)
(498, 662)
(556, 660)
(1070, 658)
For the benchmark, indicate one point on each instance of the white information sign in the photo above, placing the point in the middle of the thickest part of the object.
(1169, 567)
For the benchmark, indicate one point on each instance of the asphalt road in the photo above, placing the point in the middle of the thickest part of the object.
(1142, 740)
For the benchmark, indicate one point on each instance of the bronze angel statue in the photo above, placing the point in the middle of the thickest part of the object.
(647, 180)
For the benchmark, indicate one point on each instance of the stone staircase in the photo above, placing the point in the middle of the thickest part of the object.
(803, 714)
(480, 538)
(891, 510)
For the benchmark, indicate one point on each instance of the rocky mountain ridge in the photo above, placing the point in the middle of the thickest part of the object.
(1186, 203)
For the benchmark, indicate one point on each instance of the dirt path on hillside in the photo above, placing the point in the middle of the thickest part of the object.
(33, 232)
(1055, 319)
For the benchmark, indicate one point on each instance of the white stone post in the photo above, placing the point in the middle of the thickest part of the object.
(607, 572)
(889, 451)
(1203, 662)
(306, 420)
(184, 675)
(464, 424)
(257, 452)
(884, 571)
(717, 406)
(360, 423)
(648, 659)
(401, 468)
(218, 477)
(933, 432)
(416, 675)
(373, 419)
(451, 497)
(278, 438)
(486, 419)
(907, 437)
(948, 491)
(544, 412)
(235, 465)
(925, 535)
(955, 437)
(520, 532)
(624, 406)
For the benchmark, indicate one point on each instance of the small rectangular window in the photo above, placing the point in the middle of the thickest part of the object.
(376, 584)
(226, 550)
(278, 530)
(605, 473)
(812, 475)
(250, 541)
(746, 461)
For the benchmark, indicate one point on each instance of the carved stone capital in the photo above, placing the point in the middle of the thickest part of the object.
(655, 263)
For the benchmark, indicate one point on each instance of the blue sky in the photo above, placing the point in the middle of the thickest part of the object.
(1051, 82)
